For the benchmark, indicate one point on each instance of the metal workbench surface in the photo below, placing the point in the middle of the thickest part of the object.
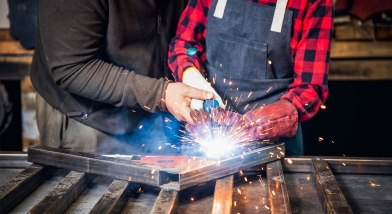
(365, 183)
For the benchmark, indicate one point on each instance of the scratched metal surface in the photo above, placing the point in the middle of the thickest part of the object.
(367, 193)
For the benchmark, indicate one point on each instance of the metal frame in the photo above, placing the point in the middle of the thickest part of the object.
(180, 177)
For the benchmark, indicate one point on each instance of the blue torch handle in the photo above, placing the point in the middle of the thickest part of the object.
(208, 104)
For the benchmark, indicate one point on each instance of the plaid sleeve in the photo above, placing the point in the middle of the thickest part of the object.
(311, 57)
(190, 34)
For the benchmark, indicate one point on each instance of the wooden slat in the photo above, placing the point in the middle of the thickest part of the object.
(223, 196)
(354, 32)
(61, 196)
(13, 47)
(5, 35)
(15, 190)
(114, 198)
(371, 49)
(365, 69)
(166, 202)
(328, 189)
(278, 195)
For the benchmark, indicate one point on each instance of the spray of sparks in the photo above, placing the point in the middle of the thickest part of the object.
(218, 133)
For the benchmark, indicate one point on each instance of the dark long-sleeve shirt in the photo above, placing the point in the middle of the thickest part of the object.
(310, 48)
(101, 58)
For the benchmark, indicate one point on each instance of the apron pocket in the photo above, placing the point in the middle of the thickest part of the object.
(242, 58)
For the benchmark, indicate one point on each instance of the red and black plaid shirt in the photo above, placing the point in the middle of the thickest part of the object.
(310, 48)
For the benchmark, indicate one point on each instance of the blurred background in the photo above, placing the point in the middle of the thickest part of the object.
(355, 120)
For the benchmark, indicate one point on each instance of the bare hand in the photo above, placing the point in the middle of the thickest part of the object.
(178, 98)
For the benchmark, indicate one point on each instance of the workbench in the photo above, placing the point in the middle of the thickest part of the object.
(306, 184)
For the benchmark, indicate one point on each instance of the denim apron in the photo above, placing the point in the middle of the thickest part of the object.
(248, 64)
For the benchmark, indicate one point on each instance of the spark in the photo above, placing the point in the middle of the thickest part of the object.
(273, 192)
(235, 203)
(147, 107)
(241, 172)
(141, 126)
(249, 94)
(239, 191)
(129, 178)
(343, 164)
(152, 177)
(192, 199)
(160, 147)
(373, 184)
(308, 178)
(246, 180)
(269, 89)
(152, 171)
(323, 107)
(320, 139)
(246, 106)
(266, 207)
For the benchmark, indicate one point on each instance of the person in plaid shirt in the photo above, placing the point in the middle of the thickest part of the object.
(266, 59)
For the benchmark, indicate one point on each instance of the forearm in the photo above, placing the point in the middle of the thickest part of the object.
(72, 39)
(311, 60)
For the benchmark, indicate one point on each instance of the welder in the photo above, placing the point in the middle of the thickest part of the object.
(267, 59)
(100, 71)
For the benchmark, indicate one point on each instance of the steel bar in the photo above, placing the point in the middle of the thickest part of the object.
(341, 165)
(166, 202)
(278, 196)
(13, 160)
(223, 196)
(100, 165)
(328, 189)
(12, 192)
(200, 171)
(61, 196)
(114, 199)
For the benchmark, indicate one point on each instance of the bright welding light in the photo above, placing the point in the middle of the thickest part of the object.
(217, 148)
